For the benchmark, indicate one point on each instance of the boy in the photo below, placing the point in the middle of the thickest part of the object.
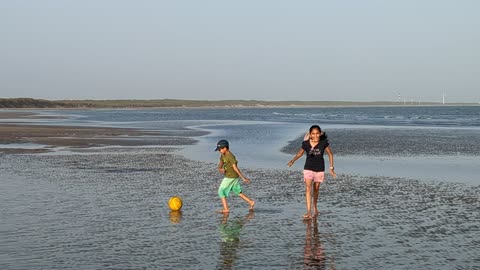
(228, 167)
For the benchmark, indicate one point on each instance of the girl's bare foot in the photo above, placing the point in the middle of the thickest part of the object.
(307, 216)
(223, 211)
(316, 213)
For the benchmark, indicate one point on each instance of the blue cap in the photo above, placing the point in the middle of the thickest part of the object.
(221, 144)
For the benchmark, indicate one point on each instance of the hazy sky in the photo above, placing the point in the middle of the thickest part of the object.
(264, 50)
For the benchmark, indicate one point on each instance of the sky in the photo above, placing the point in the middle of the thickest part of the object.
(263, 50)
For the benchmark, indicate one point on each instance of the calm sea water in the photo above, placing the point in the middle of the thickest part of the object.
(407, 195)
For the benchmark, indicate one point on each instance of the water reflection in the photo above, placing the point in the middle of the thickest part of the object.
(230, 233)
(314, 253)
(175, 216)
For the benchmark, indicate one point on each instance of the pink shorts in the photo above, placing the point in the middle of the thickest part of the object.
(315, 176)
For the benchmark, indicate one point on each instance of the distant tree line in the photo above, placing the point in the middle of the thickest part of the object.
(42, 103)
(31, 103)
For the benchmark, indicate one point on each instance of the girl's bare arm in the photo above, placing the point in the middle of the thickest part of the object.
(330, 158)
(297, 156)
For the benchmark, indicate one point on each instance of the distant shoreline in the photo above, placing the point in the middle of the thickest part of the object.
(30, 103)
(46, 137)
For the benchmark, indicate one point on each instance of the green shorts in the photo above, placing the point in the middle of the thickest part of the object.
(227, 185)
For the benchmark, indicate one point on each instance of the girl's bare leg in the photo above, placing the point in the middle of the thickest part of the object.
(316, 191)
(308, 197)
(248, 200)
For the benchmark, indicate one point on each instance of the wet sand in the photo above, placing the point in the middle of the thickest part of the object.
(25, 115)
(107, 208)
(14, 114)
(49, 137)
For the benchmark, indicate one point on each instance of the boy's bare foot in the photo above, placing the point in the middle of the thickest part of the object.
(252, 204)
(316, 213)
(223, 211)
(307, 216)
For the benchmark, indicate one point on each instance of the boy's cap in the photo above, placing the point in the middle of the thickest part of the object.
(221, 144)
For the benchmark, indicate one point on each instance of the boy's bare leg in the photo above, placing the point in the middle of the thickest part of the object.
(248, 200)
(225, 205)
(308, 197)
(316, 190)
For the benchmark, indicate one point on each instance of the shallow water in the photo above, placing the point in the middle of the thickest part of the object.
(108, 209)
(407, 196)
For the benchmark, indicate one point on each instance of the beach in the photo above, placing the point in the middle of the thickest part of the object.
(17, 135)
(98, 199)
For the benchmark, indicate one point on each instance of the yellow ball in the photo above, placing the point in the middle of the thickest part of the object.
(175, 203)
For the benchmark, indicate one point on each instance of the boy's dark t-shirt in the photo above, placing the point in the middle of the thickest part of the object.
(315, 161)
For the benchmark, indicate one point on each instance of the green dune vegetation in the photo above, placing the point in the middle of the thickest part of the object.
(179, 103)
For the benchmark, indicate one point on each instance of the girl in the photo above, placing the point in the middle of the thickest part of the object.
(315, 144)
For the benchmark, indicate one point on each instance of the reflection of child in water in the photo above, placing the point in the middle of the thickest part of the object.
(230, 234)
(313, 252)
(230, 230)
